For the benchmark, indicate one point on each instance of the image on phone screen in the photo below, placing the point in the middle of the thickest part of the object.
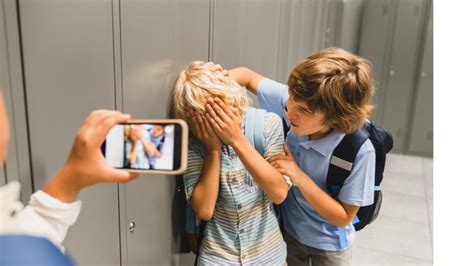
(144, 146)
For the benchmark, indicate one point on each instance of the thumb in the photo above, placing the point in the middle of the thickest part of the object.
(288, 152)
(122, 176)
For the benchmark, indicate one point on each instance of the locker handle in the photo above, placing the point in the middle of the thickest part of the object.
(131, 227)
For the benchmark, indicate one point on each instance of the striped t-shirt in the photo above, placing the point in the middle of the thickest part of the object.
(244, 228)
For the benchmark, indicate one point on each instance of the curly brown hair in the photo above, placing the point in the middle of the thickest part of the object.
(336, 83)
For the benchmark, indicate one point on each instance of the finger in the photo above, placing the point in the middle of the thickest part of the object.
(277, 157)
(195, 125)
(95, 117)
(99, 132)
(208, 126)
(225, 72)
(224, 114)
(217, 67)
(235, 111)
(274, 164)
(198, 120)
(215, 125)
(214, 116)
(223, 108)
(121, 176)
(288, 152)
(282, 171)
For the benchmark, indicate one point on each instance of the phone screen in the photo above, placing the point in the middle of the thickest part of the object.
(144, 146)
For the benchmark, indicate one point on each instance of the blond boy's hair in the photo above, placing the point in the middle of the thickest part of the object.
(336, 83)
(197, 83)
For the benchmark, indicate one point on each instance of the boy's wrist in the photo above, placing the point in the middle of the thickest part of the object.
(239, 142)
(62, 186)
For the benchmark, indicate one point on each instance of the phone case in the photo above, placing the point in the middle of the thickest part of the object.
(184, 146)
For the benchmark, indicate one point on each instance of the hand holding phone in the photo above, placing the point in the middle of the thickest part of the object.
(148, 146)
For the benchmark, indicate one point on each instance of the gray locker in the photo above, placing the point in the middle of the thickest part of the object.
(245, 33)
(350, 22)
(374, 45)
(158, 40)
(421, 134)
(390, 39)
(69, 71)
(402, 72)
(303, 27)
(343, 24)
(17, 165)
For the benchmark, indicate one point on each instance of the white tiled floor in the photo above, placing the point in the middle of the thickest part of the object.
(402, 234)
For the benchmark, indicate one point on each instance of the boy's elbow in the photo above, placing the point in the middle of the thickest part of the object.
(341, 222)
(205, 214)
(280, 196)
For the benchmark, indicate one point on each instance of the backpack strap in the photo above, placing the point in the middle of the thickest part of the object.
(342, 160)
(254, 127)
(340, 167)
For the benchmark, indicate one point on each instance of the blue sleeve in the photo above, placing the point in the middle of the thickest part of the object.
(272, 96)
(358, 189)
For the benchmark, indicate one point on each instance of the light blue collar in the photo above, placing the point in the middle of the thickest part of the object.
(325, 145)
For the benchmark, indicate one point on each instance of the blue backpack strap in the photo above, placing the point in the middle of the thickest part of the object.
(340, 166)
(343, 158)
(254, 128)
(30, 250)
(249, 124)
(258, 131)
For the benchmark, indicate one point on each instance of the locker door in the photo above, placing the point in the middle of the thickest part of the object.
(68, 64)
(402, 70)
(374, 45)
(159, 38)
(350, 23)
(421, 135)
(17, 166)
(245, 33)
(302, 32)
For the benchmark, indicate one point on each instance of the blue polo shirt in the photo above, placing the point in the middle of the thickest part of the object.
(300, 220)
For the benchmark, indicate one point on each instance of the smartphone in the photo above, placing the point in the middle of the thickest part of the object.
(148, 146)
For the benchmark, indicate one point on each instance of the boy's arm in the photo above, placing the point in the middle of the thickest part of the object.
(206, 189)
(246, 78)
(335, 211)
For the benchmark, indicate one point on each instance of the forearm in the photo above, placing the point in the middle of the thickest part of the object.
(63, 186)
(206, 189)
(246, 78)
(149, 147)
(267, 177)
(133, 154)
(324, 204)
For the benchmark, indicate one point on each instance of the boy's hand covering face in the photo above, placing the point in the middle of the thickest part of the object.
(225, 121)
(286, 165)
(202, 130)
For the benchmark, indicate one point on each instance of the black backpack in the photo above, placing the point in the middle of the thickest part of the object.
(343, 158)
